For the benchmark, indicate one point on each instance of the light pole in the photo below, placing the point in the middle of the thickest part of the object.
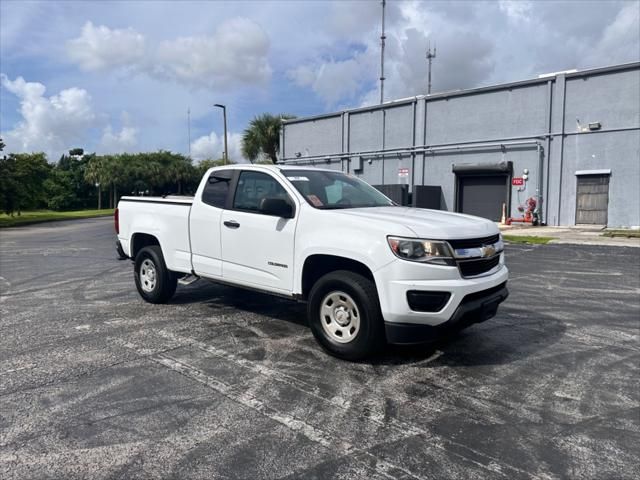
(224, 115)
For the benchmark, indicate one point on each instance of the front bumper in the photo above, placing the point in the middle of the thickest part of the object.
(474, 307)
(397, 278)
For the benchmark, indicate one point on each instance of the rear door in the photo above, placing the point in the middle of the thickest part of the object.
(204, 224)
(258, 249)
(592, 199)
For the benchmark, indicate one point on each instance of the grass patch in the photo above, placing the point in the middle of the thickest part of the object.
(622, 233)
(527, 239)
(39, 216)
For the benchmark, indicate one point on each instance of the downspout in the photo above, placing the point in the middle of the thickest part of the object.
(384, 126)
(424, 138)
(539, 185)
(545, 191)
(413, 144)
(562, 79)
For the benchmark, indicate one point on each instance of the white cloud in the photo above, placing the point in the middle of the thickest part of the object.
(50, 124)
(118, 142)
(212, 147)
(620, 40)
(516, 10)
(99, 47)
(333, 80)
(235, 54)
(464, 60)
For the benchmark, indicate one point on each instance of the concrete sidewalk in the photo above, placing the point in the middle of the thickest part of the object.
(582, 235)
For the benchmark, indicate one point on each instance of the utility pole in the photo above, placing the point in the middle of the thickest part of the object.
(382, 39)
(224, 116)
(189, 129)
(430, 57)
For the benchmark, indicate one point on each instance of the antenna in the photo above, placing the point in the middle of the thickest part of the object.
(430, 57)
(189, 129)
(382, 39)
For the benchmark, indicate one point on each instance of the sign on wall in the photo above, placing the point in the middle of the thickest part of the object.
(403, 172)
(517, 181)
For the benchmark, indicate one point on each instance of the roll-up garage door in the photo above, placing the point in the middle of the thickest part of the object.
(482, 195)
(483, 188)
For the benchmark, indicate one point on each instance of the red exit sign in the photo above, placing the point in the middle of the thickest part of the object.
(517, 181)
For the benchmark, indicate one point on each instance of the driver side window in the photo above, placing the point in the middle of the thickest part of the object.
(253, 187)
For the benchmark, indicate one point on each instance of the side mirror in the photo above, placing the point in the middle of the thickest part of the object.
(278, 207)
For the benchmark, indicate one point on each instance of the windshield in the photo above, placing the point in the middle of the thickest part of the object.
(332, 190)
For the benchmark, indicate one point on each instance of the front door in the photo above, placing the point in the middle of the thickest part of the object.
(257, 249)
(205, 223)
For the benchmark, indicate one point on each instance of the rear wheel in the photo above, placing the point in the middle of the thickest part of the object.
(155, 283)
(344, 314)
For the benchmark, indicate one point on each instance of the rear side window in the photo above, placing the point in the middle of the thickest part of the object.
(217, 188)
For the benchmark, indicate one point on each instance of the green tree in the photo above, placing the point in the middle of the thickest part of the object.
(23, 176)
(8, 184)
(2, 145)
(60, 189)
(95, 174)
(262, 137)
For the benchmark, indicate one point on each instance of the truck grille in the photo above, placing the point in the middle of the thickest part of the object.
(469, 268)
(474, 242)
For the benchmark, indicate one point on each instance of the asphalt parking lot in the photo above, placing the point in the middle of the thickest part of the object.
(224, 383)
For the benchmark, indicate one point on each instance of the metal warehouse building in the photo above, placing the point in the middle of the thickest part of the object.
(571, 141)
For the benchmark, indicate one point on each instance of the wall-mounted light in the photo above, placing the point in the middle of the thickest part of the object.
(595, 126)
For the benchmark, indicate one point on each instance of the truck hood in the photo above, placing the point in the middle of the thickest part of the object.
(433, 224)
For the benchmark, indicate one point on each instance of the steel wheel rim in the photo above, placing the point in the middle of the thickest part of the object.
(148, 275)
(340, 317)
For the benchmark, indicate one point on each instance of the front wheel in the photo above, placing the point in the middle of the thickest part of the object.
(155, 283)
(344, 315)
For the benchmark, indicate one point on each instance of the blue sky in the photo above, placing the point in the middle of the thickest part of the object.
(120, 75)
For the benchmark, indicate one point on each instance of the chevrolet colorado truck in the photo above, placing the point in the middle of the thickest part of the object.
(370, 271)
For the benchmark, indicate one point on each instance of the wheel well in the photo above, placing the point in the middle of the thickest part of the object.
(315, 266)
(141, 240)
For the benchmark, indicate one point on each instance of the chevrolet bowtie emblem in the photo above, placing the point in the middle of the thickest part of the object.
(488, 251)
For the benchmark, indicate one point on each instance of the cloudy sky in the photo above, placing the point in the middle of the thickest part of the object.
(119, 76)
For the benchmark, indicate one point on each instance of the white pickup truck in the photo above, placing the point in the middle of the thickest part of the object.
(369, 270)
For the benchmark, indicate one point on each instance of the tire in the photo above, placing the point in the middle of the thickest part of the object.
(155, 283)
(344, 315)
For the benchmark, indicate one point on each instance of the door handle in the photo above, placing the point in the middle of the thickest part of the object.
(231, 224)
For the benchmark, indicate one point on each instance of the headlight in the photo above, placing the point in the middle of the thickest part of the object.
(419, 250)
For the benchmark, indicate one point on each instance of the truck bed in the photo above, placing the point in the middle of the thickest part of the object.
(165, 217)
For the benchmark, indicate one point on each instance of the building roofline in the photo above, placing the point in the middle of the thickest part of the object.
(471, 91)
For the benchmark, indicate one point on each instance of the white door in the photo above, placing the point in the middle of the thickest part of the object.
(257, 249)
(205, 221)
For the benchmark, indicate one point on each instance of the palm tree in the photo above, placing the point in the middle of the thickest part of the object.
(262, 137)
(94, 174)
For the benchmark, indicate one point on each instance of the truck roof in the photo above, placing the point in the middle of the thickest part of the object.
(261, 166)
